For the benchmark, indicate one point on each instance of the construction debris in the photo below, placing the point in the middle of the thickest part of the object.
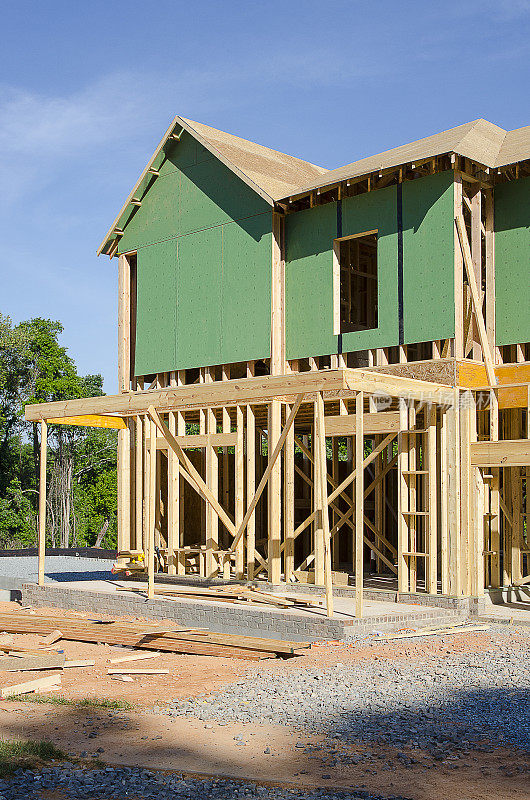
(53, 637)
(143, 635)
(437, 631)
(228, 594)
(133, 657)
(31, 686)
(126, 671)
(86, 663)
(31, 663)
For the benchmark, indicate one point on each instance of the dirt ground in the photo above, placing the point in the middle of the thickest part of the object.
(136, 736)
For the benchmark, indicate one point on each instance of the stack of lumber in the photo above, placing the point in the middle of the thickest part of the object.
(228, 594)
(165, 637)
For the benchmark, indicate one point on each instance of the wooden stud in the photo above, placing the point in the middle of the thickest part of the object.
(319, 490)
(274, 504)
(323, 498)
(251, 488)
(430, 466)
(239, 490)
(359, 504)
(124, 324)
(152, 521)
(403, 498)
(42, 500)
(289, 499)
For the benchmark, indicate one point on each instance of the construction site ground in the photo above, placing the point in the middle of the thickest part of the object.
(197, 721)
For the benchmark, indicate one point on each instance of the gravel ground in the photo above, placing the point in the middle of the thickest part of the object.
(57, 568)
(126, 782)
(444, 707)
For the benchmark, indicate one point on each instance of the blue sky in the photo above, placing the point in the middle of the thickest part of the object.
(87, 90)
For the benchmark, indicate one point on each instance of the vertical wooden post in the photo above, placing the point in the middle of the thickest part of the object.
(152, 520)
(124, 489)
(274, 490)
(139, 484)
(459, 272)
(516, 502)
(173, 501)
(334, 515)
(490, 273)
(277, 361)
(212, 481)
(430, 467)
(42, 499)
(379, 503)
(318, 491)
(453, 496)
(444, 524)
(412, 519)
(494, 504)
(322, 492)
(251, 488)
(288, 497)
(124, 324)
(240, 490)
(359, 503)
(403, 497)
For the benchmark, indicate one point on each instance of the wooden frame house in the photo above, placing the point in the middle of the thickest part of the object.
(323, 375)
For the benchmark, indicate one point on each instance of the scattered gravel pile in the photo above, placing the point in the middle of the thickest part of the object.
(455, 702)
(125, 782)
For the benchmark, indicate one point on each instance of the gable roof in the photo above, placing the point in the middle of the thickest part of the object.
(269, 173)
(480, 141)
(276, 176)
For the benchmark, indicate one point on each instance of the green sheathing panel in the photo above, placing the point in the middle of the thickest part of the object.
(428, 258)
(309, 274)
(428, 298)
(512, 262)
(205, 238)
(156, 312)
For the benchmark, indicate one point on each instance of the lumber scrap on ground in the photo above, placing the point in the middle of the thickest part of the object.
(32, 663)
(141, 635)
(31, 686)
(227, 594)
(437, 631)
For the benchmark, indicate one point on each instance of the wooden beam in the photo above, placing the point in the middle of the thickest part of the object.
(196, 440)
(246, 390)
(91, 421)
(359, 505)
(124, 324)
(374, 423)
(152, 507)
(506, 453)
(42, 500)
(475, 296)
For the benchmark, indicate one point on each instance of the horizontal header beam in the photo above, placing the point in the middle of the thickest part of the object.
(247, 390)
(506, 453)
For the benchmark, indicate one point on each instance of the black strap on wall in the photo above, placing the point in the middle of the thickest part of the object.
(400, 262)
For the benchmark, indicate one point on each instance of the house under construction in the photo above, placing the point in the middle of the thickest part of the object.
(323, 374)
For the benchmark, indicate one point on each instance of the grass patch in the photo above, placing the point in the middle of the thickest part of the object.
(17, 754)
(85, 702)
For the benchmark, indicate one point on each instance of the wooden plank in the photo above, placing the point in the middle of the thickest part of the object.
(374, 423)
(91, 421)
(29, 663)
(124, 488)
(125, 671)
(42, 500)
(31, 686)
(133, 657)
(75, 664)
(506, 453)
(403, 498)
(52, 637)
(431, 492)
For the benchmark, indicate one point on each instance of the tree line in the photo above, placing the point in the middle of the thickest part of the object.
(81, 468)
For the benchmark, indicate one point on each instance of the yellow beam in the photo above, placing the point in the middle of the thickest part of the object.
(91, 421)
